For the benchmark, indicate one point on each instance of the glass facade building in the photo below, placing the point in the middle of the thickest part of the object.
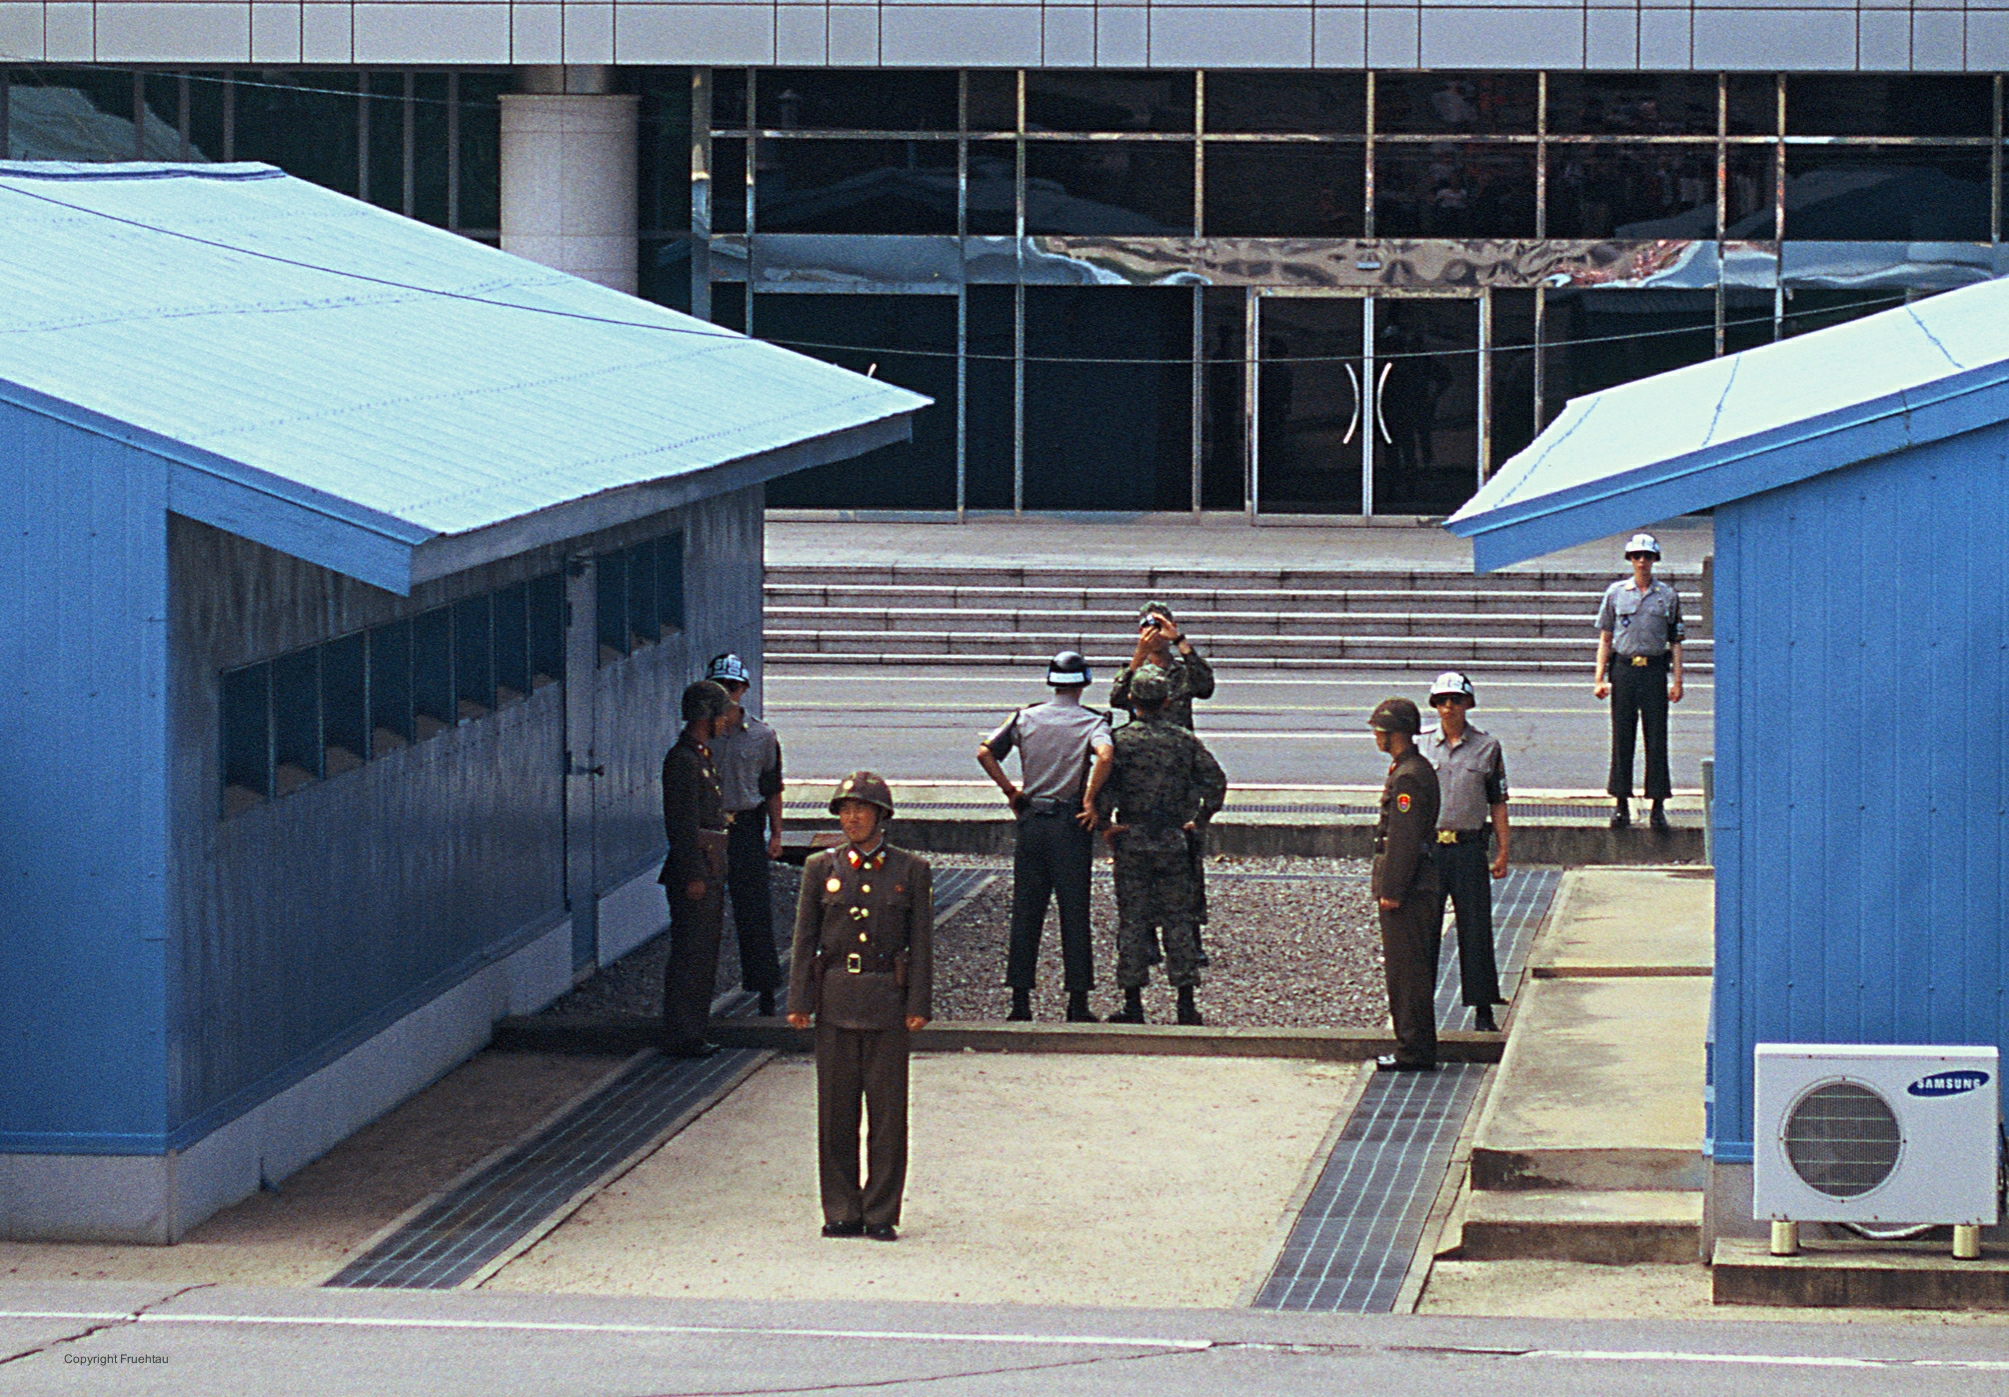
(1281, 292)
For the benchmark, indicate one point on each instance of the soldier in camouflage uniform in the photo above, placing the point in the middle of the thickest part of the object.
(1163, 646)
(1163, 789)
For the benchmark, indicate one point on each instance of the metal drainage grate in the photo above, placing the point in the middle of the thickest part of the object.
(1520, 901)
(482, 1218)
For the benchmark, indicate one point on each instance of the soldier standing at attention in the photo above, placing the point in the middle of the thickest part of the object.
(694, 824)
(1639, 635)
(1160, 642)
(747, 756)
(1163, 788)
(1056, 822)
(1472, 785)
(1406, 888)
(863, 973)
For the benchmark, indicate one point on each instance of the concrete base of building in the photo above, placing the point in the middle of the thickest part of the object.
(159, 1198)
(1860, 1275)
(630, 915)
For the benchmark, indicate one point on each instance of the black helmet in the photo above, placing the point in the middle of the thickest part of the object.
(1069, 667)
(705, 700)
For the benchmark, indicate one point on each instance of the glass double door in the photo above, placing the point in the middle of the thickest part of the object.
(1365, 404)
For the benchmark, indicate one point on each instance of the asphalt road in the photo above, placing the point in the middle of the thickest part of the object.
(1266, 727)
(306, 1343)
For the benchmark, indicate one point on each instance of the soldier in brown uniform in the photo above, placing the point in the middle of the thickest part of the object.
(694, 873)
(1406, 888)
(863, 969)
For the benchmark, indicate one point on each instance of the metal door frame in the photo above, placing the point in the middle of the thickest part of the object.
(1370, 404)
(582, 764)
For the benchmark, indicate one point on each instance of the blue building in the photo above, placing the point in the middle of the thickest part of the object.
(351, 570)
(1860, 482)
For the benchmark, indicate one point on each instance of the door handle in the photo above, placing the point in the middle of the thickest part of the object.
(572, 768)
(1380, 391)
(1354, 425)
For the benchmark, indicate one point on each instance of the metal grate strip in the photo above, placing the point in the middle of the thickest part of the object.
(1520, 901)
(480, 1219)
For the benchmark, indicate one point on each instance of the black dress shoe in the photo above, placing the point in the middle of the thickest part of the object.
(1482, 1019)
(1189, 1015)
(1621, 819)
(1127, 1015)
(1658, 819)
(690, 1050)
(1389, 1062)
(1077, 1008)
(844, 1229)
(881, 1232)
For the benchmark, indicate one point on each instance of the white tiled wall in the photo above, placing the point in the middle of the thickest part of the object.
(1762, 35)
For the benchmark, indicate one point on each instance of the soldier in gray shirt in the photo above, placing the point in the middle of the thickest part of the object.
(1472, 786)
(1639, 668)
(747, 756)
(1055, 806)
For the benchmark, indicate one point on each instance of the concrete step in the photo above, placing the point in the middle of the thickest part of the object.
(1419, 661)
(1859, 1275)
(1122, 602)
(1207, 628)
(1595, 930)
(930, 646)
(1612, 1227)
(1144, 582)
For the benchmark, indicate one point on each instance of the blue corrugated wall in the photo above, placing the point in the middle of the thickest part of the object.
(83, 823)
(1862, 779)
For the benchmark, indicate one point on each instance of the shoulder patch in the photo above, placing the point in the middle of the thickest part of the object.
(1402, 802)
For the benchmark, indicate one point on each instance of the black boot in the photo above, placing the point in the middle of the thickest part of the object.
(1077, 1007)
(1133, 1008)
(1189, 1012)
(1021, 1007)
(767, 1004)
(1482, 1019)
(1622, 816)
(1658, 819)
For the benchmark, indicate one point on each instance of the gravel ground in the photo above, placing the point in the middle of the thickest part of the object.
(1292, 942)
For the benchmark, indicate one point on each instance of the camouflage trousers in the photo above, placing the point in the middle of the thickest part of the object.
(1157, 901)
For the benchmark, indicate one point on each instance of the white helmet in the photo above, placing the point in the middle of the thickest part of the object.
(1454, 683)
(1643, 543)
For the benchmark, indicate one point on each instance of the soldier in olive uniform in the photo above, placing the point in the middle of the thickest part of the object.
(863, 972)
(1162, 644)
(1164, 787)
(1406, 887)
(693, 875)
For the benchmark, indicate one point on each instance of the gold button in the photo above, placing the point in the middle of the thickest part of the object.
(865, 887)
(863, 937)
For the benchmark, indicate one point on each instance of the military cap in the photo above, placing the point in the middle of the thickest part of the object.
(1643, 543)
(1390, 715)
(1149, 687)
(704, 700)
(1153, 608)
(867, 786)
(728, 669)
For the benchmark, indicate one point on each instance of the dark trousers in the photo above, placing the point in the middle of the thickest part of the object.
(1468, 883)
(1051, 862)
(1639, 692)
(1411, 936)
(868, 1069)
(692, 970)
(746, 881)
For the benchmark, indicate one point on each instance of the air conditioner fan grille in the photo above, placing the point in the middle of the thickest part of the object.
(1842, 1139)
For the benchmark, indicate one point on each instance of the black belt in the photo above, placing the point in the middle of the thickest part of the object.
(1153, 826)
(1462, 836)
(859, 962)
(1645, 661)
(1046, 805)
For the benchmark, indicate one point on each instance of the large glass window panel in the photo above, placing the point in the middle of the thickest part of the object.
(207, 93)
(1632, 191)
(473, 657)
(391, 725)
(386, 105)
(856, 99)
(303, 122)
(993, 189)
(918, 474)
(611, 605)
(1751, 188)
(1816, 308)
(1108, 101)
(1886, 194)
(1643, 104)
(345, 712)
(728, 186)
(1600, 338)
(1312, 406)
(163, 94)
(1108, 188)
(728, 97)
(811, 186)
(545, 602)
(1513, 390)
(1425, 404)
(989, 448)
(481, 149)
(79, 114)
(1450, 189)
(1224, 439)
(512, 642)
(430, 155)
(1101, 433)
(993, 99)
(1747, 318)
(1285, 191)
(1291, 103)
(1424, 104)
(296, 721)
(1885, 104)
(246, 701)
(433, 706)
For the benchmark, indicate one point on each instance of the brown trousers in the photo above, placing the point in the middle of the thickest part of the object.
(870, 1069)
(1411, 937)
(692, 970)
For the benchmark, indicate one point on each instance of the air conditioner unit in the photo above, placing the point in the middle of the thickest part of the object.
(1877, 1134)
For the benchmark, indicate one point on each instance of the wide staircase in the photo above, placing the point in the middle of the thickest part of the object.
(1277, 619)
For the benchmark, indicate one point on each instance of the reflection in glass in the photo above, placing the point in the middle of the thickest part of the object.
(811, 186)
(1879, 104)
(1108, 188)
(1886, 194)
(84, 114)
(481, 149)
(1312, 103)
(1285, 191)
(988, 448)
(1599, 338)
(1644, 104)
(1224, 441)
(1426, 403)
(856, 99)
(993, 190)
(1632, 191)
(1311, 411)
(1101, 434)
(993, 99)
(1815, 308)
(728, 97)
(429, 149)
(728, 185)
(1513, 371)
(1424, 104)
(1753, 104)
(1453, 190)
(305, 123)
(1108, 101)
(385, 108)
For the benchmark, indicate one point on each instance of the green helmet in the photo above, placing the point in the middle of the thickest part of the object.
(704, 700)
(867, 786)
(1397, 715)
(1149, 687)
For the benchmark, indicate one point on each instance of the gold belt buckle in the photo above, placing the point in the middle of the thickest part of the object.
(1447, 836)
(854, 964)
(1639, 662)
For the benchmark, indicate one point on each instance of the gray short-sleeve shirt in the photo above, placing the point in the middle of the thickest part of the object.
(1055, 741)
(1471, 777)
(1641, 623)
(748, 762)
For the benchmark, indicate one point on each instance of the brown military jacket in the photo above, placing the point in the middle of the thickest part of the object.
(691, 804)
(875, 907)
(1402, 840)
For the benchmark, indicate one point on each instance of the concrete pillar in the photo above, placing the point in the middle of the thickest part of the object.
(568, 174)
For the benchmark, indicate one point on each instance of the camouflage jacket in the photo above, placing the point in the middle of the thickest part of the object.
(1190, 677)
(1163, 776)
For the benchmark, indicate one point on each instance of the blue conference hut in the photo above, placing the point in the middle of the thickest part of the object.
(351, 572)
(1860, 482)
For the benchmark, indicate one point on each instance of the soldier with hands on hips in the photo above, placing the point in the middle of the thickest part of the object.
(1406, 887)
(693, 873)
(1161, 644)
(747, 756)
(863, 974)
(1163, 788)
(1639, 635)
(1056, 744)
(1472, 788)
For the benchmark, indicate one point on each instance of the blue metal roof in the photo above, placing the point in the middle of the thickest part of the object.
(1698, 436)
(384, 398)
